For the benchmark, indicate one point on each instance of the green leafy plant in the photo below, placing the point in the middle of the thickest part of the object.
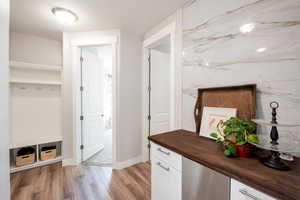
(235, 131)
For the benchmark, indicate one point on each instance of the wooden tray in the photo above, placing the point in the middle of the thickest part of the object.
(242, 97)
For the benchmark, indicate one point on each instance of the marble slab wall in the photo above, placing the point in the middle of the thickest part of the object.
(244, 41)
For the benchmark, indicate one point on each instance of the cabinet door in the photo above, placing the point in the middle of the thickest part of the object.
(240, 191)
(165, 181)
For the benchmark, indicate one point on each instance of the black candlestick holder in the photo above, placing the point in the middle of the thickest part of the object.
(274, 160)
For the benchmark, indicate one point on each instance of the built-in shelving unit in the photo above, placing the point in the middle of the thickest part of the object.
(38, 162)
(25, 65)
(35, 110)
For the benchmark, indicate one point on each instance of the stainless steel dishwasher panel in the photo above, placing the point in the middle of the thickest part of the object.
(202, 183)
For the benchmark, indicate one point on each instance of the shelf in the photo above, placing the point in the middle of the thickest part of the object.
(24, 65)
(36, 164)
(43, 141)
(35, 82)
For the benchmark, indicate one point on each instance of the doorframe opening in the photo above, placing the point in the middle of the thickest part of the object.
(84, 135)
(94, 38)
(175, 84)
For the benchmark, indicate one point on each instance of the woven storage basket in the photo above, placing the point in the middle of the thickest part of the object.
(48, 154)
(25, 160)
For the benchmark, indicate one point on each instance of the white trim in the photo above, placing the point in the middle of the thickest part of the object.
(178, 66)
(76, 40)
(37, 142)
(36, 164)
(167, 30)
(174, 31)
(68, 162)
(128, 163)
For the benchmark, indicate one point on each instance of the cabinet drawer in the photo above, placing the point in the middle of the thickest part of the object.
(166, 155)
(165, 181)
(240, 191)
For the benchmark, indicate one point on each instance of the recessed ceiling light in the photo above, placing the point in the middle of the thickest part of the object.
(247, 28)
(259, 50)
(64, 16)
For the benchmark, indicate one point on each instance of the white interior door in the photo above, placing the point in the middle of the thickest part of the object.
(160, 105)
(92, 103)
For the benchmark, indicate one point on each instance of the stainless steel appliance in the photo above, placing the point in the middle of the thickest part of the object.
(202, 183)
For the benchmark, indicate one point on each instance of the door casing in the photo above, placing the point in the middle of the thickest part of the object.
(93, 38)
(175, 81)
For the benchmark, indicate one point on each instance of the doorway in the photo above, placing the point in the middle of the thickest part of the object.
(96, 104)
(161, 99)
(160, 94)
(160, 104)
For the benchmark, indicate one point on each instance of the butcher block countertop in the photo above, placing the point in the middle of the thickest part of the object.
(283, 185)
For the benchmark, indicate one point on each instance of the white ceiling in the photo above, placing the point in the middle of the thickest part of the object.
(136, 16)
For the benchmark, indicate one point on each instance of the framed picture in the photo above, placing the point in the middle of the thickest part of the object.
(211, 117)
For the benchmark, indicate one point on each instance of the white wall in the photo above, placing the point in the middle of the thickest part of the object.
(67, 102)
(4, 123)
(35, 49)
(129, 136)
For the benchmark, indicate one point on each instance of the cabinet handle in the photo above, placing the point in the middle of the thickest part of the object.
(164, 152)
(165, 168)
(246, 193)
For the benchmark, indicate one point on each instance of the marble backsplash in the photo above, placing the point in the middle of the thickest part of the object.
(244, 41)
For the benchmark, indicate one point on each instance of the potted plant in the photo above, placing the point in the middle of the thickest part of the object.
(235, 134)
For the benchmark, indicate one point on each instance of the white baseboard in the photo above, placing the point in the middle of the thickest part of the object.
(128, 163)
(68, 162)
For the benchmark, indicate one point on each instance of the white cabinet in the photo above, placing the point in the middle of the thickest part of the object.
(162, 153)
(240, 191)
(166, 179)
(174, 177)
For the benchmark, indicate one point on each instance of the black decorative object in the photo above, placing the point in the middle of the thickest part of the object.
(274, 161)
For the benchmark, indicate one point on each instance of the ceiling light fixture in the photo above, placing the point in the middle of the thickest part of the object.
(259, 50)
(247, 28)
(64, 16)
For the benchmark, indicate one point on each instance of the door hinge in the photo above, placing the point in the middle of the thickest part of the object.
(81, 117)
(149, 146)
(81, 88)
(149, 117)
(81, 59)
(149, 88)
(81, 147)
(149, 59)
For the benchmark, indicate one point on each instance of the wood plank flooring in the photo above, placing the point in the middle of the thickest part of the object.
(55, 182)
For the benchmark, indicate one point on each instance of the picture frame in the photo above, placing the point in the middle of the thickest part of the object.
(212, 116)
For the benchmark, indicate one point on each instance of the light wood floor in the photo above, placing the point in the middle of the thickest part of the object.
(82, 183)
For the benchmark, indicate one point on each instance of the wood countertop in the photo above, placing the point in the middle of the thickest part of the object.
(283, 185)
